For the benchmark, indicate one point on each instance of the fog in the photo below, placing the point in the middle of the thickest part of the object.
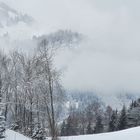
(108, 59)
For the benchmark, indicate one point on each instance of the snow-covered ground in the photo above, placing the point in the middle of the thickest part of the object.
(129, 134)
(11, 135)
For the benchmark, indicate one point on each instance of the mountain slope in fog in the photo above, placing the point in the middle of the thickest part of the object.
(10, 16)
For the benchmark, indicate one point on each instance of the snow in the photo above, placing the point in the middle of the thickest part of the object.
(11, 135)
(129, 134)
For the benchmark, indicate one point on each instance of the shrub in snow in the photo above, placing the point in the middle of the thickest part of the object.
(38, 133)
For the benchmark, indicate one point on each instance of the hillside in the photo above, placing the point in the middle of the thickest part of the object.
(128, 134)
(11, 135)
(69, 68)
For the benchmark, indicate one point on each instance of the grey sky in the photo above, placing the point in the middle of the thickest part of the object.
(109, 58)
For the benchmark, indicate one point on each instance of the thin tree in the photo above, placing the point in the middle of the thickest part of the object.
(122, 119)
(113, 122)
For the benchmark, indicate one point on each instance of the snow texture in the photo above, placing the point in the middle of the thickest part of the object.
(11, 135)
(129, 134)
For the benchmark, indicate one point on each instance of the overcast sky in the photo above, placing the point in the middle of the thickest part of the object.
(108, 60)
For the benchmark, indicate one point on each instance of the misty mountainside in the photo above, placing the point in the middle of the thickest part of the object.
(69, 70)
(10, 16)
(120, 99)
(61, 38)
(17, 32)
(80, 99)
(14, 25)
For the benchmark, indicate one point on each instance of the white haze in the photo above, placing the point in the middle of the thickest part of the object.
(108, 61)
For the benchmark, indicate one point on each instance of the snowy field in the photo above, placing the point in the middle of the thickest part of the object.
(11, 135)
(130, 134)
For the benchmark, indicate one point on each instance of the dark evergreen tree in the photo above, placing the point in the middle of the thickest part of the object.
(63, 129)
(135, 104)
(133, 117)
(113, 122)
(122, 123)
(89, 129)
(99, 126)
(132, 104)
(71, 127)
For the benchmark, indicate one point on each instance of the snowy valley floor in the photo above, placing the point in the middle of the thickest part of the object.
(129, 134)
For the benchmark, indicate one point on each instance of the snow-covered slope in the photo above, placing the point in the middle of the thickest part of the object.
(84, 98)
(11, 135)
(129, 134)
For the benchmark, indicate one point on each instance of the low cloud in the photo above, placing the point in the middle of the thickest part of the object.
(108, 60)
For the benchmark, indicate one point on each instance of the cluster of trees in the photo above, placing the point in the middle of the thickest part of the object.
(31, 94)
(96, 119)
(30, 91)
(31, 97)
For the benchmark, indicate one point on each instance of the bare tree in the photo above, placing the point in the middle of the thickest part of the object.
(51, 83)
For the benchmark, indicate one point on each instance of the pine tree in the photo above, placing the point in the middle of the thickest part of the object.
(99, 126)
(89, 129)
(113, 122)
(71, 126)
(123, 119)
(132, 104)
(63, 129)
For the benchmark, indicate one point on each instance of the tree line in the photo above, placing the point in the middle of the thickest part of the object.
(30, 91)
(95, 119)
